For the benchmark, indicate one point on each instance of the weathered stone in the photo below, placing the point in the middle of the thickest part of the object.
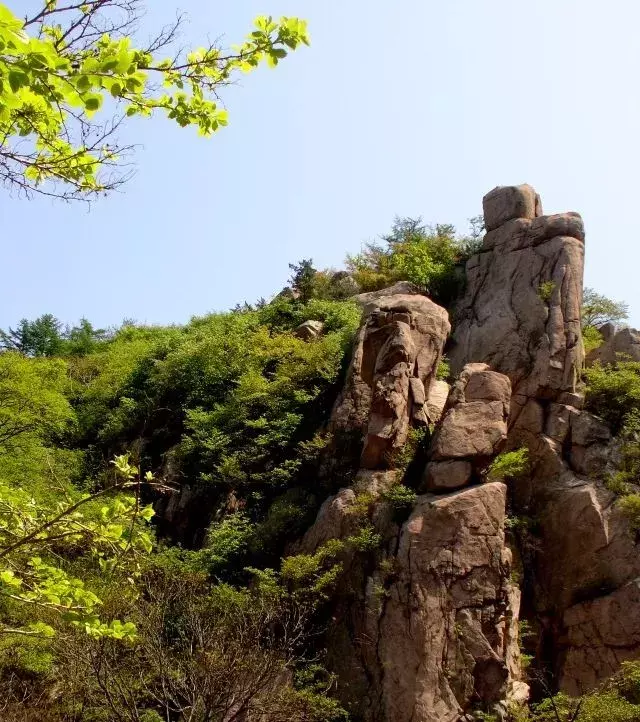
(506, 202)
(474, 425)
(571, 399)
(452, 648)
(562, 224)
(437, 400)
(558, 422)
(587, 544)
(589, 460)
(343, 285)
(505, 320)
(336, 519)
(309, 330)
(471, 429)
(399, 344)
(624, 343)
(601, 634)
(402, 287)
(488, 386)
(587, 429)
(447, 475)
(417, 391)
(521, 314)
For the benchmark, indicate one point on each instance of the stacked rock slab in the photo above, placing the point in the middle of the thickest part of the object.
(472, 430)
(521, 315)
(394, 363)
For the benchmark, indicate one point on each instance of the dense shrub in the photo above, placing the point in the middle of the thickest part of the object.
(430, 257)
(613, 391)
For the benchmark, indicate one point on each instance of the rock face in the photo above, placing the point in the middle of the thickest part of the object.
(521, 315)
(473, 428)
(428, 630)
(395, 358)
(624, 341)
(437, 399)
(437, 636)
(456, 648)
(521, 310)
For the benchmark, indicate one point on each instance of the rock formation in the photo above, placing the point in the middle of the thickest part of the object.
(521, 315)
(432, 631)
(623, 342)
(473, 428)
(309, 330)
(395, 359)
(428, 631)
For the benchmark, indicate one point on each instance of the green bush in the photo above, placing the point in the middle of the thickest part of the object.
(545, 290)
(613, 391)
(509, 465)
(592, 338)
(630, 506)
(428, 256)
(400, 497)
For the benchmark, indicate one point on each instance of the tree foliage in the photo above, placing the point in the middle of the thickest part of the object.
(428, 256)
(613, 391)
(598, 309)
(33, 538)
(70, 75)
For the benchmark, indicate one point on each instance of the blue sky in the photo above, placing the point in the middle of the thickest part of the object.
(403, 107)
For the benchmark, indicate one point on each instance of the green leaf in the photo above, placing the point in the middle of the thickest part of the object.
(92, 102)
(17, 80)
(83, 83)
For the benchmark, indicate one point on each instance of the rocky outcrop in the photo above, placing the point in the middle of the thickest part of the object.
(473, 428)
(521, 310)
(436, 401)
(456, 650)
(428, 628)
(401, 288)
(395, 358)
(616, 343)
(433, 633)
(521, 315)
(309, 330)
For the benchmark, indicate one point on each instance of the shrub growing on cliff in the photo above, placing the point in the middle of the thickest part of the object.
(428, 256)
(613, 391)
(509, 465)
(618, 700)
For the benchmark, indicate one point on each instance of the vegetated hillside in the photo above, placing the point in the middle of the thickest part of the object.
(275, 513)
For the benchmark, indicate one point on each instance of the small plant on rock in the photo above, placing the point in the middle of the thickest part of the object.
(545, 290)
(509, 465)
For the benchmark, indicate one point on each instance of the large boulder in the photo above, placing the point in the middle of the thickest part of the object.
(505, 203)
(617, 343)
(472, 430)
(394, 363)
(444, 638)
(436, 400)
(309, 330)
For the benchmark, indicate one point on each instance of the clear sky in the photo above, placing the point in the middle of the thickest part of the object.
(410, 107)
